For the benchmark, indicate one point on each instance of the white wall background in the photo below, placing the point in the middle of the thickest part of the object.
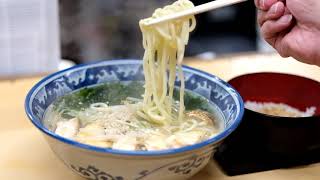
(29, 37)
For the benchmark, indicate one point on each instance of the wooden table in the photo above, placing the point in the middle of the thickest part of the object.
(25, 155)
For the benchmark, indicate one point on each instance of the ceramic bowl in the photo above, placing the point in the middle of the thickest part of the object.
(264, 142)
(101, 163)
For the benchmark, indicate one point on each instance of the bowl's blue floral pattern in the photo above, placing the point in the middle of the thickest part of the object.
(211, 88)
(50, 88)
(215, 90)
(94, 173)
(183, 166)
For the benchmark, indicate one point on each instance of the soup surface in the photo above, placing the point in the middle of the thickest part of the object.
(106, 116)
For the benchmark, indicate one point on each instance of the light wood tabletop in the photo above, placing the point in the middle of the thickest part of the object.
(25, 155)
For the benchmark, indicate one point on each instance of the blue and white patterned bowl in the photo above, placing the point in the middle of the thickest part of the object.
(101, 163)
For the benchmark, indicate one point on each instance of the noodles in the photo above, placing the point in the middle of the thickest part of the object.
(164, 46)
(118, 127)
(92, 116)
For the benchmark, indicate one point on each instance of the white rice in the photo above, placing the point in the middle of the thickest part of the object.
(279, 109)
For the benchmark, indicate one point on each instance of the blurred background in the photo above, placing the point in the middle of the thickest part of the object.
(35, 35)
(100, 29)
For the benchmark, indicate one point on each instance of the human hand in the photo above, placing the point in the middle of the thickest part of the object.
(292, 27)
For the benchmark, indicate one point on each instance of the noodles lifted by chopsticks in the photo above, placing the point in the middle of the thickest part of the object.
(164, 46)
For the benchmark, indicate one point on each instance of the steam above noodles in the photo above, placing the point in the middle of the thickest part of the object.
(164, 46)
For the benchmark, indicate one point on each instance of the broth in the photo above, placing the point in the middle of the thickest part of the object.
(106, 116)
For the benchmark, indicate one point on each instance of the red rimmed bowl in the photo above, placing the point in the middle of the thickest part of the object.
(264, 142)
(296, 91)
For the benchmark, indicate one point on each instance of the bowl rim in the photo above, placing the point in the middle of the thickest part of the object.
(277, 73)
(274, 116)
(222, 135)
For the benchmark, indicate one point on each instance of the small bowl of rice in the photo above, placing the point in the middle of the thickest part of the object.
(280, 127)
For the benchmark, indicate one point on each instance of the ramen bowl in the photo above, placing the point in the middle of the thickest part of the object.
(103, 163)
(264, 142)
